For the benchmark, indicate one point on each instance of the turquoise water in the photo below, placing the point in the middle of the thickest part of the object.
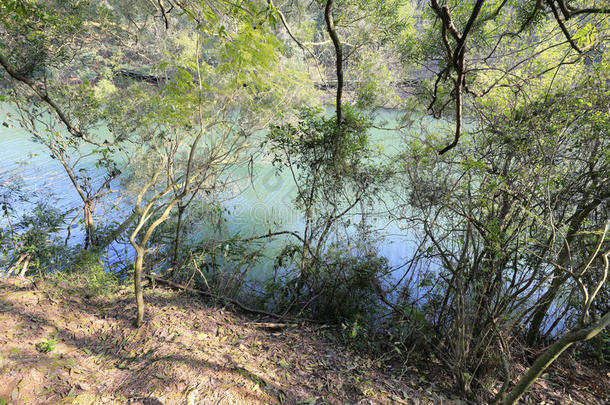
(254, 204)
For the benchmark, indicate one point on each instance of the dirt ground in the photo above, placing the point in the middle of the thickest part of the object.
(191, 352)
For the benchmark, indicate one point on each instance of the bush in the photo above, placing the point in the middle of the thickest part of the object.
(222, 268)
(89, 266)
(344, 289)
(33, 239)
(347, 289)
(599, 347)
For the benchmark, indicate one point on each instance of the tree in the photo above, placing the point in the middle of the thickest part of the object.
(223, 87)
(70, 155)
(330, 186)
(587, 328)
(506, 216)
(481, 34)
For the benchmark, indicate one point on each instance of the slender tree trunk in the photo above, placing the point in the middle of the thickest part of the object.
(24, 269)
(13, 268)
(330, 27)
(174, 261)
(332, 32)
(140, 248)
(559, 276)
(533, 333)
(89, 224)
(137, 278)
(551, 354)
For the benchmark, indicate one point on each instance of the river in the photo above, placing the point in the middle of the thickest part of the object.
(259, 203)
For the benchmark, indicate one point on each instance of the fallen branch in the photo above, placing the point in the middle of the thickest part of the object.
(271, 325)
(209, 294)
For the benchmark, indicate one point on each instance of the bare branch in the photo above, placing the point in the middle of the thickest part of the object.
(562, 26)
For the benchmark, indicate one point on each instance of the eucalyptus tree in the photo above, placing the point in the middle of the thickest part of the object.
(54, 53)
(332, 184)
(92, 186)
(351, 45)
(526, 87)
(587, 327)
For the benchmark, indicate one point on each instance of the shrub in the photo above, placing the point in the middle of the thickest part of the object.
(344, 289)
(33, 239)
(88, 264)
(46, 345)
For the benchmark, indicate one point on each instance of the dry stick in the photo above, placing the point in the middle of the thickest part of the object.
(271, 325)
(208, 294)
(505, 366)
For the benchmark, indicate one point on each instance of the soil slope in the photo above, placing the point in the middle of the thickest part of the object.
(189, 352)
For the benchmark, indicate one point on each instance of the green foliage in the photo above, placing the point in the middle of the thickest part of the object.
(38, 31)
(340, 287)
(500, 211)
(492, 215)
(47, 345)
(34, 235)
(347, 288)
(325, 162)
(374, 83)
(599, 347)
(220, 267)
(333, 170)
(89, 267)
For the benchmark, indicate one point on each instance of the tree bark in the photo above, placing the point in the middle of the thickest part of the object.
(89, 224)
(137, 278)
(330, 26)
(551, 354)
(181, 208)
(26, 263)
(560, 276)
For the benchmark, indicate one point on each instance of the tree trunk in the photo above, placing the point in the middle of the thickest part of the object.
(89, 224)
(551, 354)
(13, 268)
(24, 269)
(177, 236)
(559, 276)
(533, 333)
(332, 32)
(137, 278)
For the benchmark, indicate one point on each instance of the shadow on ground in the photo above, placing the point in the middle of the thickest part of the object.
(186, 351)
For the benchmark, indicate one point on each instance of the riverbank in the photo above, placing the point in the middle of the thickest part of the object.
(192, 352)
